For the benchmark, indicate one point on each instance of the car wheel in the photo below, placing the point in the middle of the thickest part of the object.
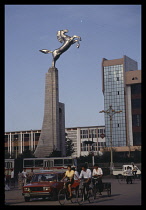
(27, 199)
(54, 195)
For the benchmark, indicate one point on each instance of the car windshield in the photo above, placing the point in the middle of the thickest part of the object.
(44, 177)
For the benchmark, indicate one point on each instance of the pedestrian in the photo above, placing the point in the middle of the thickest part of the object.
(29, 177)
(20, 180)
(6, 186)
(24, 176)
(12, 181)
(134, 170)
(7, 178)
(97, 176)
(129, 175)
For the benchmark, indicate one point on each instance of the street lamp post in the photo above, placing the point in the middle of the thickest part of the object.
(92, 150)
(110, 112)
(90, 145)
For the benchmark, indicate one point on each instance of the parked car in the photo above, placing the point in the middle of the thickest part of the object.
(43, 184)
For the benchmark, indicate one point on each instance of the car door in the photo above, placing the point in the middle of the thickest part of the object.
(60, 184)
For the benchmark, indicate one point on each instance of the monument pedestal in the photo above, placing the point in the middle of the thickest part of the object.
(53, 129)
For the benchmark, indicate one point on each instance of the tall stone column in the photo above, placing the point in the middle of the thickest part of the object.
(50, 138)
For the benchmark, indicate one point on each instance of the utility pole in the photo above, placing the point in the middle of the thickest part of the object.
(90, 145)
(110, 112)
(92, 150)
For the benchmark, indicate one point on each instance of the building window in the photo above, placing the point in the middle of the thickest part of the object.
(101, 144)
(16, 136)
(84, 134)
(136, 103)
(134, 78)
(84, 147)
(136, 120)
(26, 147)
(136, 89)
(117, 78)
(6, 138)
(100, 131)
(118, 108)
(26, 137)
(92, 133)
(136, 139)
(37, 135)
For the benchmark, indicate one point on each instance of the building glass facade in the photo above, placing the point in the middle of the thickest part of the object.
(114, 95)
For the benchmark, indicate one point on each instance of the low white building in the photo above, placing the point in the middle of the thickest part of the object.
(82, 138)
(17, 141)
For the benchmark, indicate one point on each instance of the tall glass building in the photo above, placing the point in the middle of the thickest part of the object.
(116, 94)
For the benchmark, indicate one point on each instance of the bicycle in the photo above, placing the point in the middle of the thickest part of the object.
(84, 194)
(106, 186)
(63, 195)
(95, 186)
(122, 179)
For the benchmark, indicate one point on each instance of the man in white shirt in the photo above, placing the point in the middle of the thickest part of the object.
(24, 176)
(12, 178)
(86, 175)
(129, 175)
(76, 175)
(97, 176)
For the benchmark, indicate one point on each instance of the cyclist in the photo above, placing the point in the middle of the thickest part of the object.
(129, 175)
(70, 179)
(134, 171)
(97, 175)
(76, 175)
(86, 175)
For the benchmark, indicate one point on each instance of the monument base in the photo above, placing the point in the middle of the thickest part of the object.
(53, 129)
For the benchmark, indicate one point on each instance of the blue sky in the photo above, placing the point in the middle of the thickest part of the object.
(107, 31)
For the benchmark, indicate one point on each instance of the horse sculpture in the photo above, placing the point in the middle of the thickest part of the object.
(67, 42)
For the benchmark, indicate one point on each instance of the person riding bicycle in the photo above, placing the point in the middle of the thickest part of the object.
(97, 175)
(86, 176)
(129, 175)
(70, 179)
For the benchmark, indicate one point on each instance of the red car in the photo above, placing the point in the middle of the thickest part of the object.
(44, 185)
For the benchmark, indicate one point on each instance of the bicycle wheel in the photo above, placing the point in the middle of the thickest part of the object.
(80, 197)
(62, 197)
(74, 196)
(121, 179)
(91, 196)
(133, 179)
(109, 192)
(94, 190)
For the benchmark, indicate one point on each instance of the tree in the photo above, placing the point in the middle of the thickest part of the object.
(55, 153)
(7, 155)
(27, 154)
(19, 160)
(69, 147)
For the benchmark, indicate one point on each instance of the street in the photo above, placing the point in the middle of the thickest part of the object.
(121, 194)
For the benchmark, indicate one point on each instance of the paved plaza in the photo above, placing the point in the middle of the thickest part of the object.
(121, 194)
